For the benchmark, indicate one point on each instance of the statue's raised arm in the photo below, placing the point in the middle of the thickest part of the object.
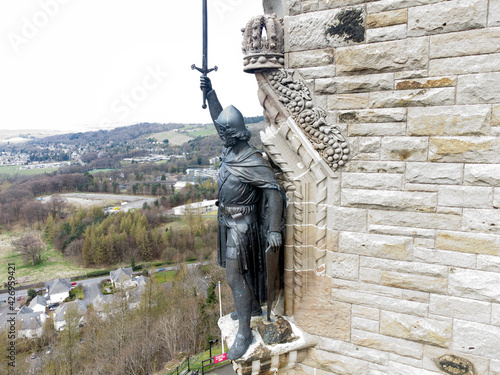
(213, 102)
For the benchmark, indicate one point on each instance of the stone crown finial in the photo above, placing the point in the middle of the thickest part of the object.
(263, 51)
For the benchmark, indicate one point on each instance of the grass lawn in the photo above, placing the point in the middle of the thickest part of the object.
(199, 358)
(12, 170)
(53, 264)
(101, 170)
(165, 276)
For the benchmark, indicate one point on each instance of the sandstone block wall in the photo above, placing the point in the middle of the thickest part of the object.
(409, 278)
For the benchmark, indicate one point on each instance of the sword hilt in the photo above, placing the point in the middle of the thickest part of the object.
(205, 72)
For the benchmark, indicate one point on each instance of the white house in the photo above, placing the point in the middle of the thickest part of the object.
(29, 324)
(60, 313)
(122, 277)
(58, 290)
(38, 304)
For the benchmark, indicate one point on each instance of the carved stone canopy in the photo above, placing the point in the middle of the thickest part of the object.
(263, 43)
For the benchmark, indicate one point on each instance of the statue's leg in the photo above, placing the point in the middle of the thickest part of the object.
(243, 298)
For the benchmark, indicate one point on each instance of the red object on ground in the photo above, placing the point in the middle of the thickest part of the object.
(220, 358)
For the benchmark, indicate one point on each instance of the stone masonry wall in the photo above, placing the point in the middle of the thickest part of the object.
(412, 280)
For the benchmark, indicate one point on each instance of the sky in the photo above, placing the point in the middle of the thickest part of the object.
(76, 65)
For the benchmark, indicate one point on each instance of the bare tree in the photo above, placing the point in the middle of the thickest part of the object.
(30, 247)
(57, 205)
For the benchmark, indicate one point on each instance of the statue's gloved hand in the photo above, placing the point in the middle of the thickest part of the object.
(274, 241)
(205, 83)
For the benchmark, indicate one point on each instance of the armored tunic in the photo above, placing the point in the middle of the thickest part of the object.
(243, 221)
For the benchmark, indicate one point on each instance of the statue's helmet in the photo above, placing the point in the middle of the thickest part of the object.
(231, 120)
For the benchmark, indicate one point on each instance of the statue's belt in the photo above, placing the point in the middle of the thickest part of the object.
(234, 209)
(237, 217)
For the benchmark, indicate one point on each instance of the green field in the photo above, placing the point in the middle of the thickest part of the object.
(12, 170)
(165, 276)
(53, 264)
(180, 136)
(100, 170)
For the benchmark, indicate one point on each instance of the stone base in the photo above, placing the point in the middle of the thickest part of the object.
(267, 359)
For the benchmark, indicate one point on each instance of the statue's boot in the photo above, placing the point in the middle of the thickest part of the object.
(239, 347)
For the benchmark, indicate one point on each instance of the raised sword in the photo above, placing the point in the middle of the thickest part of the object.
(204, 69)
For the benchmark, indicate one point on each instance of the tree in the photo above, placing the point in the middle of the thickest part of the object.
(30, 246)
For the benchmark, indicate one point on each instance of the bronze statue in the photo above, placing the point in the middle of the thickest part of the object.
(250, 216)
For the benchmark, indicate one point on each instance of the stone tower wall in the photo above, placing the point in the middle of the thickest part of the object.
(392, 260)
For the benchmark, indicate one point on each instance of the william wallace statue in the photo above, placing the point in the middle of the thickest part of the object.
(250, 219)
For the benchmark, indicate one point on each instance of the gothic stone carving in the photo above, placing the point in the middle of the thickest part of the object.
(295, 95)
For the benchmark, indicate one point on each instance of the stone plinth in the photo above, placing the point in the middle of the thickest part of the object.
(267, 359)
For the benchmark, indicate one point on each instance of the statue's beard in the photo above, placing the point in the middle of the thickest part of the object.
(228, 141)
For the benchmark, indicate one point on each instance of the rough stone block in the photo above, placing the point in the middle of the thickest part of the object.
(344, 348)
(384, 181)
(383, 34)
(466, 242)
(375, 245)
(380, 302)
(370, 284)
(309, 5)
(384, 19)
(375, 167)
(465, 43)
(396, 368)
(365, 312)
(446, 17)
(475, 338)
(404, 267)
(494, 16)
(312, 58)
(479, 88)
(367, 145)
(342, 266)
(376, 129)
(475, 284)
(460, 308)
(422, 83)
(386, 5)
(383, 115)
(478, 220)
(411, 74)
(317, 72)
(482, 174)
(413, 219)
(414, 282)
(413, 328)
(465, 149)
(386, 343)
(465, 65)
(495, 367)
(408, 54)
(358, 83)
(390, 200)
(329, 4)
(495, 314)
(434, 173)
(453, 120)
(335, 363)
(488, 263)
(349, 219)
(465, 196)
(496, 198)
(447, 258)
(404, 148)
(364, 324)
(413, 98)
(412, 295)
(348, 101)
(310, 30)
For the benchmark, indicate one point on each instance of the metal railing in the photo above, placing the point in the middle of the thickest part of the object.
(206, 365)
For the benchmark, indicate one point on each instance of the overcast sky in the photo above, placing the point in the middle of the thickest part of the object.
(76, 64)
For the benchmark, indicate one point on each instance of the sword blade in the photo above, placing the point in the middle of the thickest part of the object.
(205, 38)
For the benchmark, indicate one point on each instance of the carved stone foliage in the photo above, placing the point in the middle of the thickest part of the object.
(263, 51)
(296, 96)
